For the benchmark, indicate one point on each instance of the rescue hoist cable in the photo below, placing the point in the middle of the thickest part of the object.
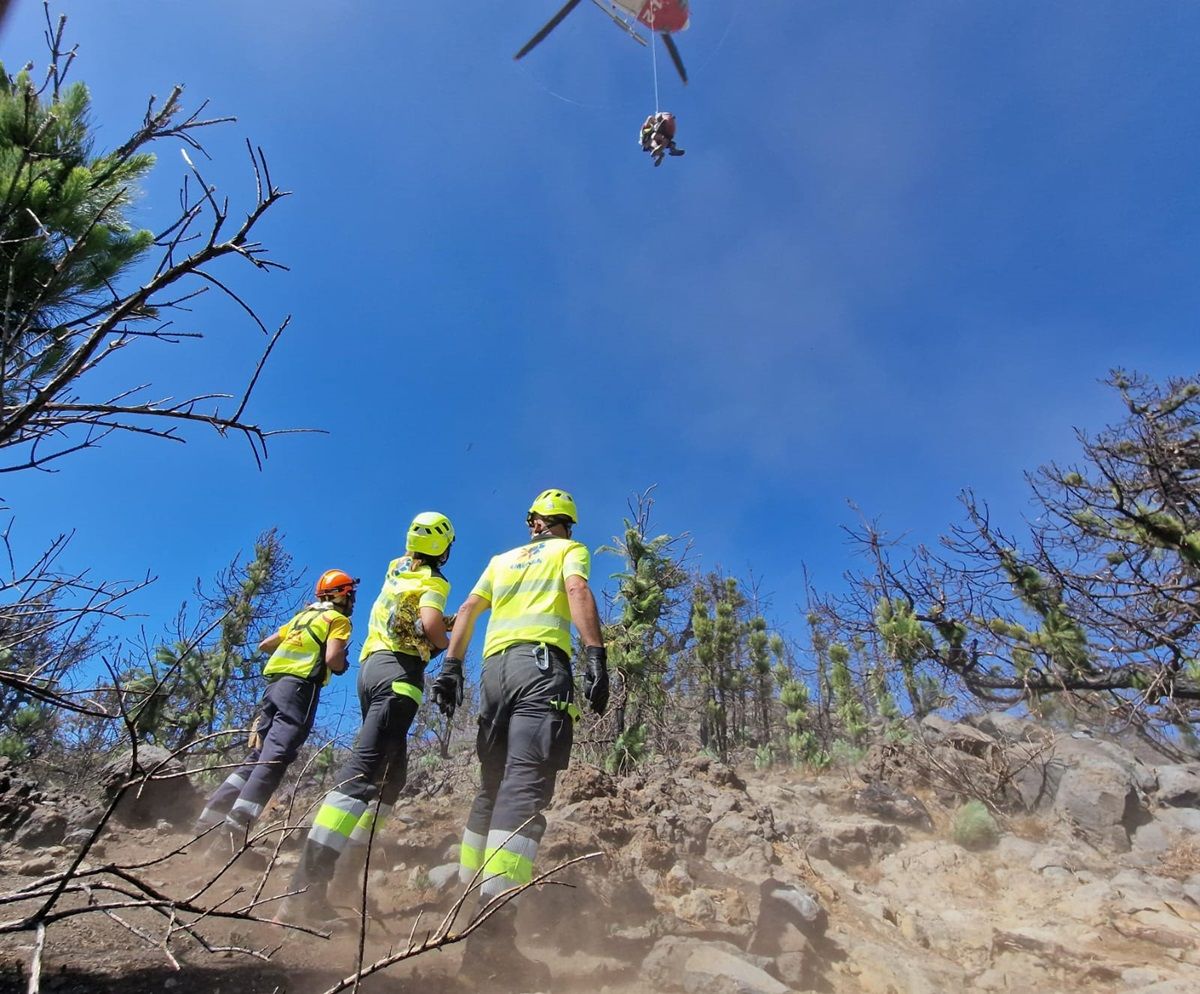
(654, 55)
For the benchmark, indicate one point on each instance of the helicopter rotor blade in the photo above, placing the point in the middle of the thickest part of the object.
(553, 23)
(674, 52)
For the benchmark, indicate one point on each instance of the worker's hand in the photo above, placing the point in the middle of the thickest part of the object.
(595, 678)
(448, 687)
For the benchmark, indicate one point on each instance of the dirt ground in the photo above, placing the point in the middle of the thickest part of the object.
(91, 952)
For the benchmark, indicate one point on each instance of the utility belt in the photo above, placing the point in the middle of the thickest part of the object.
(317, 679)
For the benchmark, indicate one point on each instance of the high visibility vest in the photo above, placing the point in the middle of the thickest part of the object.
(527, 588)
(406, 589)
(302, 651)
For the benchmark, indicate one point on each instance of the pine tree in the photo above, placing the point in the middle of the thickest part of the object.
(643, 637)
(192, 690)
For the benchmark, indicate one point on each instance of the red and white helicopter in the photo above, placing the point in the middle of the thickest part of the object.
(662, 16)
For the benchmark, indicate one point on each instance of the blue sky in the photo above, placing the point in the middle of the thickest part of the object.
(906, 242)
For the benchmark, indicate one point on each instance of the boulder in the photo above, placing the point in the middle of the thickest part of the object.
(784, 910)
(887, 803)
(697, 967)
(1101, 793)
(45, 826)
(956, 735)
(444, 878)
(854, 843)
(1179, 786)
(163, 789)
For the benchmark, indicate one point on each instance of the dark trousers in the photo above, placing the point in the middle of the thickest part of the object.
(388, 685)
(282, 725)
(524, 740)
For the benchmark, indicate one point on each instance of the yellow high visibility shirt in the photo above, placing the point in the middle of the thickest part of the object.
(527, 589)
(302, 651)
(406, 589)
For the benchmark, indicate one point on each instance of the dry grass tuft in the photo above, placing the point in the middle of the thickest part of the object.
(1182, 860)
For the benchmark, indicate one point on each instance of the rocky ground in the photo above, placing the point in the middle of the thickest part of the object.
(714, 880)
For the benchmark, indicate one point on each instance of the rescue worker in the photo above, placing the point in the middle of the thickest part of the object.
(658, 136)
(305, 653)
(407, 627)
(526, 715)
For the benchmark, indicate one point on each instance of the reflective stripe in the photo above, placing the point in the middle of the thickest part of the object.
(526, 621)
(209, 817)
(243, 806)
(405, 689)
(510, 856)
(470, 858)
(551, 585)
(510, 865)
(336, 819)
(328, 838)
(362, 831)
(470, 855)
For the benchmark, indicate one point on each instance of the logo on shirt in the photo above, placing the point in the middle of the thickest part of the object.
(529, 555)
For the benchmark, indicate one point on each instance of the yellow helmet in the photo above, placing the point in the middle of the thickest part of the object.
(555, 503)
(430, 534)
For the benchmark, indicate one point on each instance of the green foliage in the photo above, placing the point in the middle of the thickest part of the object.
(847, 701)
(974, 827)
(191, 690)
(628, 751)
(65, 233)
(642, 638)
(845, 755)
(25, 730)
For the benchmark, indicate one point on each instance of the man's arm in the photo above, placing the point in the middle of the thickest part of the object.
(335, 655)
(583, 610)
(270, 643)
(464, 625)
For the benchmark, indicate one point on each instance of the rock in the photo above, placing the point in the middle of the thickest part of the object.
(1052, 856)
(44, 827)
(1179, 786)
(960, 737)
(887, 803)
(733, 835)
(1100, 800)
(36, 866)
(444, 878)
(143, 803)
(854, 843)
(782, 908)
(1186, 821)
(1141, 976)
(677, 880)
(1155, 837)
(1010, 728)
(696, 906)
(696, 967)
(792, 968)
(1183, 986)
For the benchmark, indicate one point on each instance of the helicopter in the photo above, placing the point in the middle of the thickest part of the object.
(662, 16)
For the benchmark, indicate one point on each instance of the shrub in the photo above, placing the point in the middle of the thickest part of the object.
(974, 826)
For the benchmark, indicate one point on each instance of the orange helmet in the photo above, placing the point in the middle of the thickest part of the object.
(333, 583)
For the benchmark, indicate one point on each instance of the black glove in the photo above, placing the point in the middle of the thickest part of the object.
(595, 678)
(448, 687)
